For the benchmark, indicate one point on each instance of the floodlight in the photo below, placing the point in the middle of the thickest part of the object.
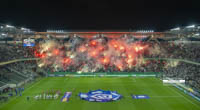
(9, 26)
(191, 26)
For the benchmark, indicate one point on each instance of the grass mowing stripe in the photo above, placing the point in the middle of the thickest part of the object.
(161, 97)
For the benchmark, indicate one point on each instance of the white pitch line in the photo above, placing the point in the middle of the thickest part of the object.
(166, 96)
(185, 98)
(23, 93)
(34, 85)
(162, 96)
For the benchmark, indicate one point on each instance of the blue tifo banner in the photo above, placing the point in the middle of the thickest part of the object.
(140, 97)
(100, 96)
(66, 97)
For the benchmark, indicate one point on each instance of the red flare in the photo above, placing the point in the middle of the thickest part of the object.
(119, 67)
(121, 48)
(93, 43)
(93, 53)
(43, 55)
(115, 45)
(105, 60)
(66, 60)
(56, 52)
(138, 48)
(100, 48)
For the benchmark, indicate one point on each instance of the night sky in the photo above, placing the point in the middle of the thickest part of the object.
(100, 15)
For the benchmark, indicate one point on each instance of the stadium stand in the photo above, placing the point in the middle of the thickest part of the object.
(19, 72)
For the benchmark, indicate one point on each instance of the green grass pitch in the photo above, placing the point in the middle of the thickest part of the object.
(161, 97)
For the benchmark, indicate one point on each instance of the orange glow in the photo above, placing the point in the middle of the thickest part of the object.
(40, 55)
(93, 53)
(93, 43)
(66, 60)
(100, 48)
(82, 49)
(115, 45)
(121, 48)
(43, 55)
(138, 48)
(119, 67)
(129, 61)
(56, 51)
(105, 60)
(130, 56)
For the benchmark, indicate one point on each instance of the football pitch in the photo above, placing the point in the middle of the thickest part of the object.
(161, 97)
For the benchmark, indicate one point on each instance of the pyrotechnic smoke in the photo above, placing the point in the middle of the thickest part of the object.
(90, 55)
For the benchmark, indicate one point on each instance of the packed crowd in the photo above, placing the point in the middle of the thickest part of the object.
(189, 72)
(11, 52)
(18, 72)
(182, 69)
(184, 51)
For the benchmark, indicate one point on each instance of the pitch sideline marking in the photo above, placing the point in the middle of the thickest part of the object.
(184, 97)
(166, 96)
(161, 96)
(23, 92)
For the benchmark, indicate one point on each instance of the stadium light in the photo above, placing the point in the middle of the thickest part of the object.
(197, 34)
(3, 34)
(9, 26)
(23, 28)
(192, 26)
(176, 29)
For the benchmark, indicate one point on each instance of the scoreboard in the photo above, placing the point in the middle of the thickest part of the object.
(29, 42)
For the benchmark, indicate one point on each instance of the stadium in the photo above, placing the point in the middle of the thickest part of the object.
(101, 70)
